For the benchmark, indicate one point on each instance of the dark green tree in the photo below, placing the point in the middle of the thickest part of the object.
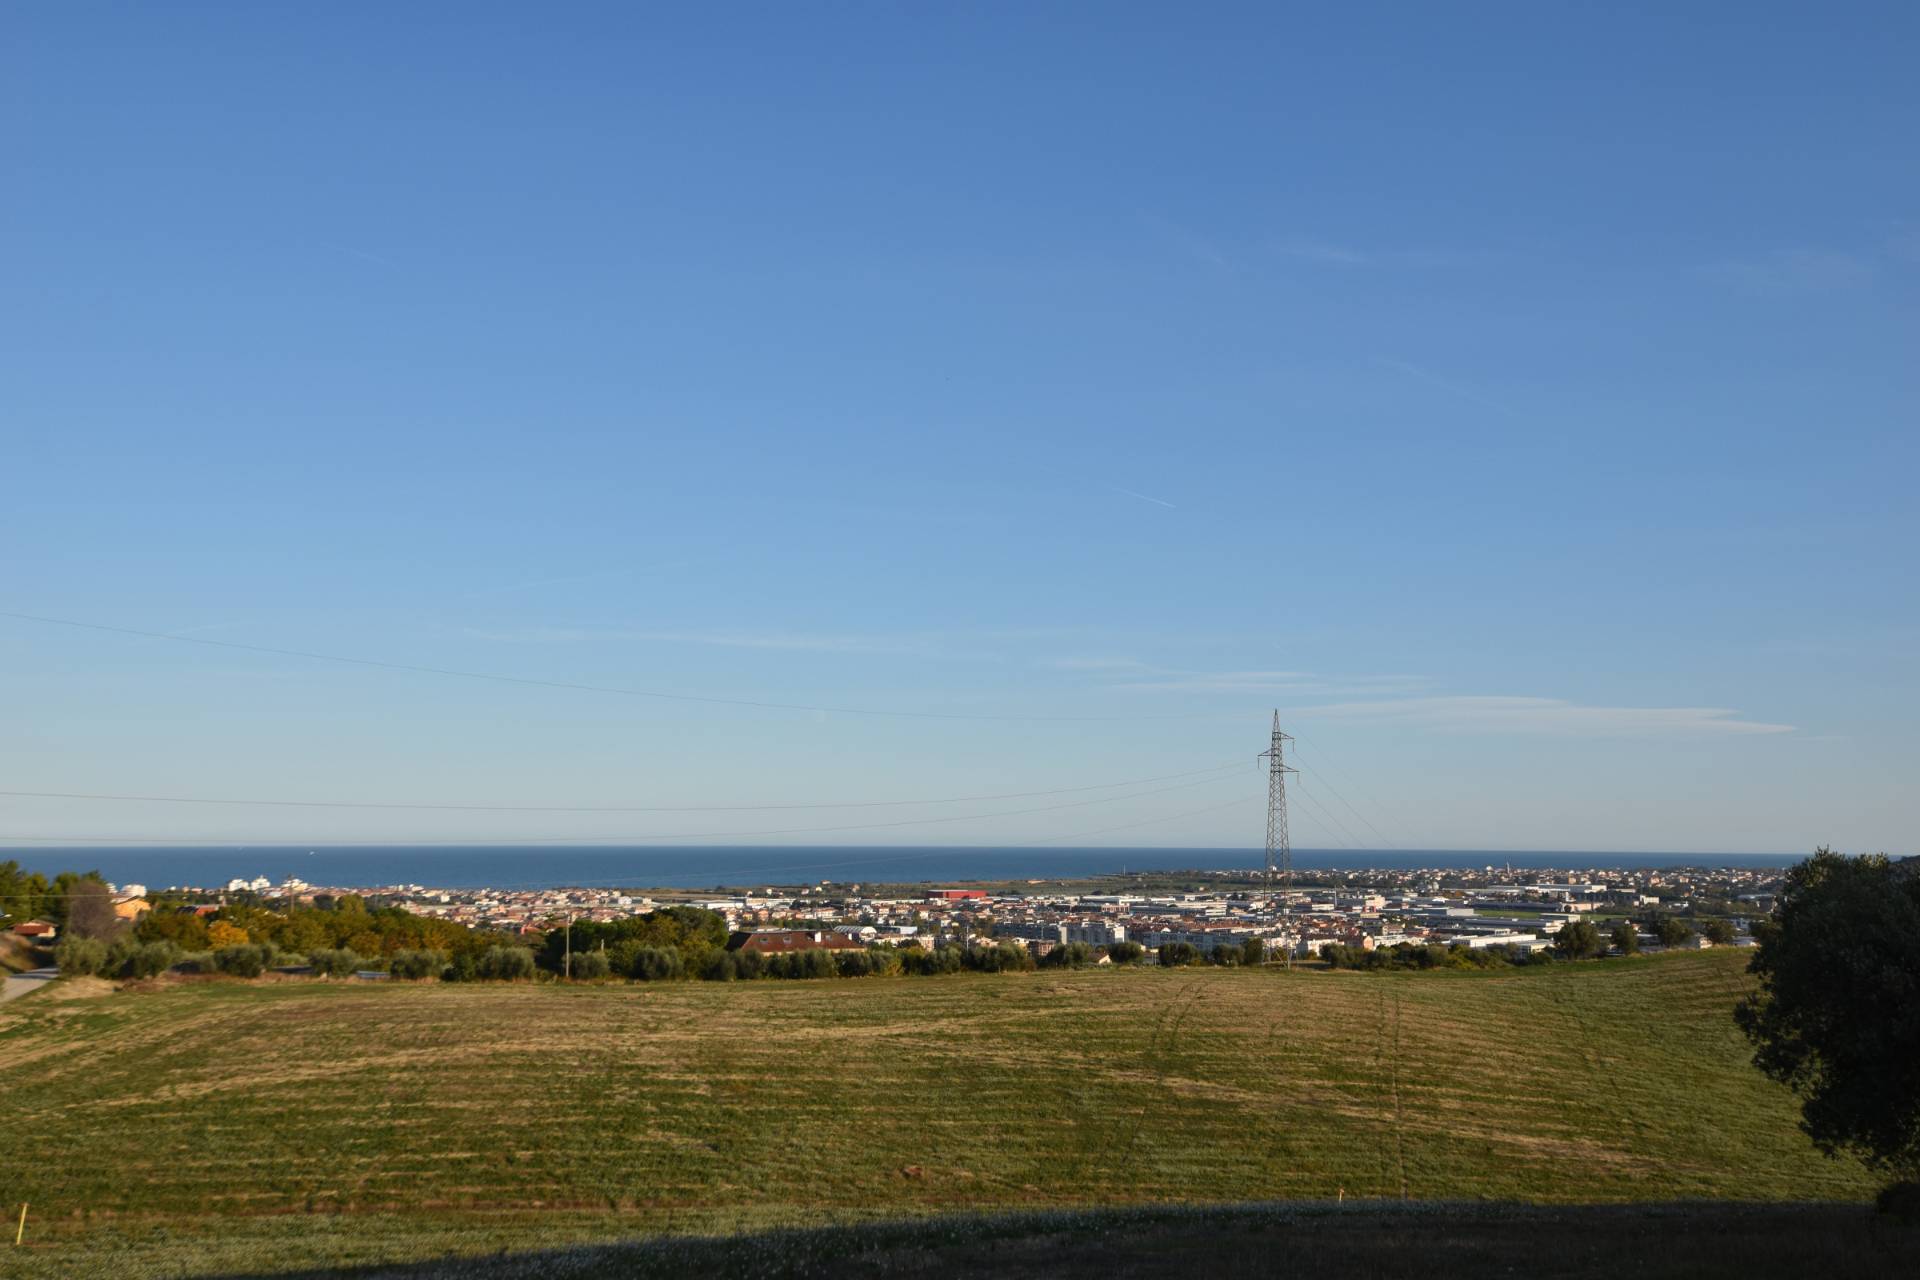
(1837, 1013)
(504, 964)
(412, 965)
(655, 964)
(243, 961)
(1068, 955)
(1671, 931)
(1718, 932)
(334, 962)
(22, 893)
(1178, 953)
(1579, 940)
(1626, 938)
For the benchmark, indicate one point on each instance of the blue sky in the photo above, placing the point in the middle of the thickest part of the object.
(1520, 397)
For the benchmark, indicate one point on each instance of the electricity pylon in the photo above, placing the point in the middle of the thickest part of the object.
(1279, 844)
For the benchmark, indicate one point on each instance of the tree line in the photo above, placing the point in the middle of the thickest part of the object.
(1576, 940)
(335, 937)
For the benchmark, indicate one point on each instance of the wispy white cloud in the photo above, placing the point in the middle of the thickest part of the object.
(743, 639)
(1450, 387)
(1903, 245)
(1791, 271)
(788, 640)
(1321, 251)
(1188, 241)
(1096, 664)
(1296, 683)
(1394, 698)
(1132, 674)
(1334, 253)
(597, 575)
(1496, 714)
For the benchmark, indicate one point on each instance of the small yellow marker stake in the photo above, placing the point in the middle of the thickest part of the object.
(20, 1232)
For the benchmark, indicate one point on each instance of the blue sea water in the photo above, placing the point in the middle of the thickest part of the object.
(705, 867)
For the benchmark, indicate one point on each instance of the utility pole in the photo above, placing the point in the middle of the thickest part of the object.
(1279, 844)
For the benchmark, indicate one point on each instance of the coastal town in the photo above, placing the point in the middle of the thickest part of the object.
(1212, 909)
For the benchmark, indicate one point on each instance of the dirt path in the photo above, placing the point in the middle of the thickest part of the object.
(20, 984)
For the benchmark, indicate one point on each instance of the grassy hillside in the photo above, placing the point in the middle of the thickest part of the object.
(232, 1125)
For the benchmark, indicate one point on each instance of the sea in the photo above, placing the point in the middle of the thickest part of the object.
(742, 866)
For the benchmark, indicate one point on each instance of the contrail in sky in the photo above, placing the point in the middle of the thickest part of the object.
(1158, 502)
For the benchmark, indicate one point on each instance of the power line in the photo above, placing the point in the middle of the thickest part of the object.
(1328, 816)
(1171, 817)
(564, 808)
(621, 839)
(1317, 815)
(1322, 780)
(1369, 797)
(419, 669)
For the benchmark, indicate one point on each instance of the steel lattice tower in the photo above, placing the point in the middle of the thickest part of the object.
(1279, 844)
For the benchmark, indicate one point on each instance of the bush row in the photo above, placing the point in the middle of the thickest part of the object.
(127, 958)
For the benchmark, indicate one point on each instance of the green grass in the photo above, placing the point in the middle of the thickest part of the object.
(269, 1126)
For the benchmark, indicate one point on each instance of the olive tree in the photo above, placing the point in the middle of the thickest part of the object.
(1836, 1016)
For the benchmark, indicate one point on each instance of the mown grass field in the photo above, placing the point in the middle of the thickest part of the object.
(222, 1126)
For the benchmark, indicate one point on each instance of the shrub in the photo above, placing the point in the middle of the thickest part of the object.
(1002, 957)
(1178, 953)
(129, 959)
(589, 965)
(197, 962)
(942, 959)
(1479, 957)
(243, 960)
(1227, 957)
(1253, 951)
(815, 962)
(1718, 932)
(1339, 955)
(1127, 952)
(411, 966)
(1672, 932)
(337, 962)
(877, 962)
(1626, 938)
(655, 964)
(720, 966)
(80, 957)
(504, 964)
(1068, 955)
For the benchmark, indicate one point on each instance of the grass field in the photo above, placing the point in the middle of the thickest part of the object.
(223, 1127)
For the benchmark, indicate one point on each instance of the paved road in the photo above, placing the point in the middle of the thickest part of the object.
(19, 984)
